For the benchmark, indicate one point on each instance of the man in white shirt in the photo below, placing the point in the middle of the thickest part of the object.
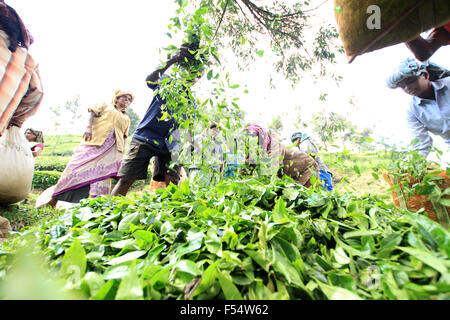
(429, 111)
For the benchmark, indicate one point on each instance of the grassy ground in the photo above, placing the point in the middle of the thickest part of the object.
(24, 214)
(359, 173)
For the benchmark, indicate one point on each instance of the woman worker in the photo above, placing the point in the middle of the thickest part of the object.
(36, 141)
(291, 162)
(99, 156)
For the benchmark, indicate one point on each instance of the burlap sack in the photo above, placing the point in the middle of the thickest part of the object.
(401, 20)
(416, 202)
(5, 227)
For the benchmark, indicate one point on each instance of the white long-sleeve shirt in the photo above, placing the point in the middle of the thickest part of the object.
(425, 116)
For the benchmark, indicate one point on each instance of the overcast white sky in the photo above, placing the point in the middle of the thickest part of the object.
(93, 47)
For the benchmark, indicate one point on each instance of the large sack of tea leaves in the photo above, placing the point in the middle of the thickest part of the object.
(400, 21)
(16, 167)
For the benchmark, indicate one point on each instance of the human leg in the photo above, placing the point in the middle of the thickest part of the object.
(134, 166)
(122, 186)
(164, 172)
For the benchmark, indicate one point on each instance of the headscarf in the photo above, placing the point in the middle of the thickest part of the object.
(9, 16)
(300, 135)
(119, 93)
(39, 135)
(261, 132)
(412, 68)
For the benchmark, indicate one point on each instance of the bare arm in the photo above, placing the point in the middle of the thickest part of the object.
(37, 151)
(423, 49)
(88, 133)
(156, 75)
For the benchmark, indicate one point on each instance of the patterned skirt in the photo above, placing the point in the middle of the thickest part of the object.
(89, 171)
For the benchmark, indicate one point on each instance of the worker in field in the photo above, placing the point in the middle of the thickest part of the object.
(305, 144)
(423, 49)
(156, 137)
(36, 140)
(97, 159)
(280, 160)
(20, 84)
(208, 156)
(232, 159)
(21, 94)
(429, 111)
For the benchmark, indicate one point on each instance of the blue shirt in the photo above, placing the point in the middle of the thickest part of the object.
(155, 131)
(425, 116)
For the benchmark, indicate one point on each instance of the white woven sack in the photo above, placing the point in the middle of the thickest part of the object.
(16, 167)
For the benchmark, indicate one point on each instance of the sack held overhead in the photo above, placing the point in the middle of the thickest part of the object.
(369, 25)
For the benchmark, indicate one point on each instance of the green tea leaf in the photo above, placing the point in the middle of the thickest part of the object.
(74, 261)
(336, 293)
(188, 266)
(229, 289)
(354, 234)
(127, 257)
(426, 258)
(279, 211)
(445, 202)
(130, 287)
(124, 224)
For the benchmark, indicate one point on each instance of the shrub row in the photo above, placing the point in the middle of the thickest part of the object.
(51, 163)
(45, 179)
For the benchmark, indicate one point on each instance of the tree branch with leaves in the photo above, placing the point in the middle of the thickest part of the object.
(289, 29)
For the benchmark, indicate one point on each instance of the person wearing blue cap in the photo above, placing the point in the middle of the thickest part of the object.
(429, 111)
(304, 142)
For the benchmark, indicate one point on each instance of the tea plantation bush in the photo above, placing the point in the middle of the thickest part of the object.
(45, 179)
(51, 163)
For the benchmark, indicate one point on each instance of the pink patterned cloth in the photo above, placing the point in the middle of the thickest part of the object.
(91, 165)
(262, 134)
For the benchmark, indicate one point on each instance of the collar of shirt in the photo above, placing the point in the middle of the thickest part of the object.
(438, 85)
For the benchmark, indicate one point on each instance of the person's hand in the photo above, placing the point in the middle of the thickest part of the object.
(88, 134)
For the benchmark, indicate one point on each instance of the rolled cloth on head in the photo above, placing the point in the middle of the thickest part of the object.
(261, 133)
(300, 135)
(119, 93)
(412, 68)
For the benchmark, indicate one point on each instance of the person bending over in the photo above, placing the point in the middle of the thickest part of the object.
(289, 161)
(305, 144)
(429, 110)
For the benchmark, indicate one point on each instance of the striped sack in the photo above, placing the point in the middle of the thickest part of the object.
(20, 85)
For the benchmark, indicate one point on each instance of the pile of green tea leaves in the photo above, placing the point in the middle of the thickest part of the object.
(240, 239)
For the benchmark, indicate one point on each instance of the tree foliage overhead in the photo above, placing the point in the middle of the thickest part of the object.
(288, 27)
(331, 126)
(296, 43)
